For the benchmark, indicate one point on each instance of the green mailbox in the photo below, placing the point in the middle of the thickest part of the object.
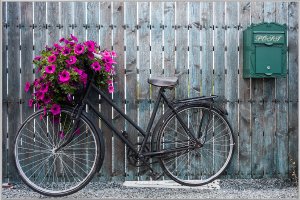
(265, 51)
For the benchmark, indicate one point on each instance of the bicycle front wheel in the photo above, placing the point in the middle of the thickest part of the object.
(63, 172)
(187, 163)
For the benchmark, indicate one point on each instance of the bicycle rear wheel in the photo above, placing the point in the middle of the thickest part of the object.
(65, 171)
(195, 166)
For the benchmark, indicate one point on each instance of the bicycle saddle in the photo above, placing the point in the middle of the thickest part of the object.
(163, 81)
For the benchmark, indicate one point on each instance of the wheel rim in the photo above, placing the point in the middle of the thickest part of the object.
(196, 166)
(52, 172)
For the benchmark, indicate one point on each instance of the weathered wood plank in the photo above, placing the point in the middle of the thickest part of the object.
(143, 66)
(13, 111)
(269, 107)
(281, 110)
(207, 47)
(79, 20)
(26, 55)
(66, 18)
(293, 126)
(92, 33)
(231, 78)
(169, 43)
(40, 30)
(257, 108)
(244, 139)
(52, 21)
(131, 77)
(194, 51)
(118, 96)
(4, 95)
(106, 43)
(182, 49)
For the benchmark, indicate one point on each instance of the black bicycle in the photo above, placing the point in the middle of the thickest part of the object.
(59, 155)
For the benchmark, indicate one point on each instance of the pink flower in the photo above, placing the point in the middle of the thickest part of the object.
(27, 86)
(74, 38)
(50, 69)
(47, 100)
(55, 109)
(58, 47)
(51, 58)
(30, 102)
(111, 89)
(83, 78)
(79, 49)
(108, 67)
(56, 53)
(90, 55)
(64, 76)
(66, 51)
(90, 45)
(72, 60)
(40, 95)
(61, 39)
(113, 54)
(79, 71)
(38, 58)
(109, 82)
(44, 88)
(96, 66)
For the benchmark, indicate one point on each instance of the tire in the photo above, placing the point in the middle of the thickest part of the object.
(195, 166)
(71, 168)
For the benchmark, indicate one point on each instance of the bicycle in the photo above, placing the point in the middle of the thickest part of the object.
(192, 141)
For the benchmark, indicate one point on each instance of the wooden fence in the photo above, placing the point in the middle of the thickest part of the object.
(201, 41)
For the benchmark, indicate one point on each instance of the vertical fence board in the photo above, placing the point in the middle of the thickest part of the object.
(293, 68)
(26, 55)
(13, 110)
(92, 33)
(244, 139)
(281, 109)
(231, 78)
(131, 76)
(144, 66)
(269, 107)
(182, 49)
(40, 30)
(207, 47)
(118, 46)
(194, 49)
(66, 17)
(79, 20)
(257, 108)
(52, 22)
(4, 95)
(219, 49)
(106, 43)
(169, 43)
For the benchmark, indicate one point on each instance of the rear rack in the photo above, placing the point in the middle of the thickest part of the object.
(195, 99)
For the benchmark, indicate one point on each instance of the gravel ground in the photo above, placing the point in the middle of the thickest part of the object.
(229, 189)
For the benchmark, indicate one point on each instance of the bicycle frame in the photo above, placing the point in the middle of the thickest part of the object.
(147, 133)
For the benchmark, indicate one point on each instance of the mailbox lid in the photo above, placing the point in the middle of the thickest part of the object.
(268, 60)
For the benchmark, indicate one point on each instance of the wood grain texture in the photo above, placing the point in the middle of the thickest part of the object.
(194, 49)
(231, 78)
(13, 111)
(293, 126)
(131, 77)
(244, 139)
(52, 22)
(106, 43)
(4, 96)
(207, 48)
(144, 72)
(281, 109)
(269, 107)
(80, 21)
(118, 96)
(67, 18)
(257, 108)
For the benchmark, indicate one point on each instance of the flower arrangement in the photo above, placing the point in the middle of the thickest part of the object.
(64, 70)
